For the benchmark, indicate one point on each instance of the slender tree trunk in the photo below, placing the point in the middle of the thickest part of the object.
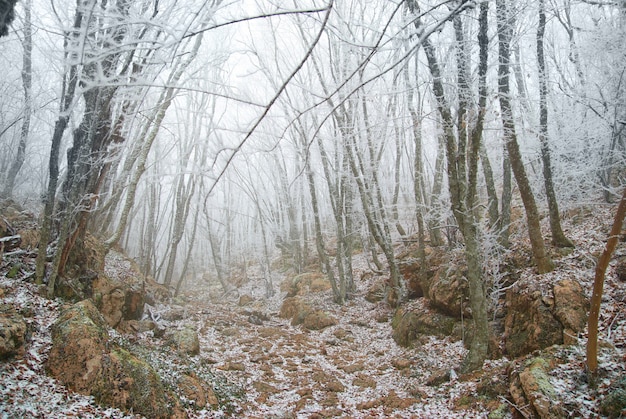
(542, 259)
(189, 254)
(319, 238)
(436, 208)
(558, 237)
(462, 167)
(598, 285)
(27, 81)
(418, 170)
(507, 197)
(184, 194)
(67, 97)
(492, 194)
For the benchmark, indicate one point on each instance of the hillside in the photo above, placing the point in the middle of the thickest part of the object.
(260, 365)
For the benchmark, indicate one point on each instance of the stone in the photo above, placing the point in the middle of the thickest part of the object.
(539, 392)
(186, 341)
(79, 339)
(411, 322)
(318, 320)
(13, 333)
(571, 306)
(83, 359)
(529, 323)
(449, 293)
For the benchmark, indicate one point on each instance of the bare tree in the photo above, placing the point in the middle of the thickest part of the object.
(462, 157)
(542, 259)
(27, 83)
(558, 237)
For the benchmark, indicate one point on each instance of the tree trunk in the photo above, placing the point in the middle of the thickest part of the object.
(67, 97)
(27, 81)
(462, 176)
(492, 195)
(542, 259)
(558, 237)
(598, 285)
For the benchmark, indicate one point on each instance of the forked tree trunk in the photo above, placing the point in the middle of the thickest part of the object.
(542, 259)
(462, 175)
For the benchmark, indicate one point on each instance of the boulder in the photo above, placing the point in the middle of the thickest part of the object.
(13, 333)
(117, 301)
(538, 316)
(129, 383)
(529, 324)
(318, 320)
(449, 292)
(571, 306)
(79, 338)
(410, 322)
(185, 341)
(531, 389)
(83, 359)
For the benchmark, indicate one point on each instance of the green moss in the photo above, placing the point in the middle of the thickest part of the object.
(82, 316)
(500, 413)
(538, 367)
(615, 401)
(132, 382)
(15, 269)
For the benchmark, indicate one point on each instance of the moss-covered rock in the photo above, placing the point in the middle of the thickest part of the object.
(530, 324)
(614, 404)
(130, 384)
(530, 389)
(411, 322)
(186, 341)
(318, 320)
(79, 338)
(13, 332)
(84, 359)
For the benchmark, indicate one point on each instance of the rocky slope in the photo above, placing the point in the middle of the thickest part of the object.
(259, 358)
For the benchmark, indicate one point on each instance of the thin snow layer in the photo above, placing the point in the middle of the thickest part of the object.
(351, 369)
(25, 390)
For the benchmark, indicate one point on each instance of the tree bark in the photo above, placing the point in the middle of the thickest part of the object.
(542, 259)
(598, 286)
(462, 176)
(27, 81)
(558, 237)
(67, 97)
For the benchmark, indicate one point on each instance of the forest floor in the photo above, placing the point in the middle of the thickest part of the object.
(351, 369)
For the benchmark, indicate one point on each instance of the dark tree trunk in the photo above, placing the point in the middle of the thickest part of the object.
(542, 259)
(558, 237)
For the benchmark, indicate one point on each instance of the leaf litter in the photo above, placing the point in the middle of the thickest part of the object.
(351, 369)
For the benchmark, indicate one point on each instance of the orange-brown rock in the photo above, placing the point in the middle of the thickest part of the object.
(85, 361)
(13, 332)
